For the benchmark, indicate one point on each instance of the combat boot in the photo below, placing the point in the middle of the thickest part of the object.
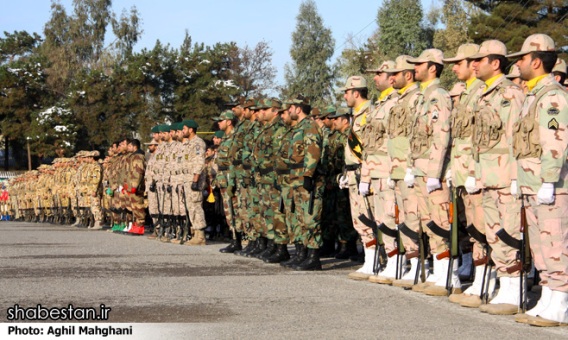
(235, 245)
(555, 313)
(366, 270)
(507, 300)
(250, 246)
(97, 226)
(346, 250)
(270, 249)
(198, 238)
(260, 247)
(327, 249)
(281, 254)
(312, 261)
(298, 257)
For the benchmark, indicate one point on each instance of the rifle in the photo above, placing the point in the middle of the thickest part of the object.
(525, 257)
(380, 256)
(185, 227)
(400, 251)
(453, 239)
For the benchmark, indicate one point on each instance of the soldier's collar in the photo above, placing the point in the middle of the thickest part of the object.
(492, 80)
(469, 82)
(385, 93)
(533, 82)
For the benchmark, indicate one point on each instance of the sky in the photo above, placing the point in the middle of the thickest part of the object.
(245, 22)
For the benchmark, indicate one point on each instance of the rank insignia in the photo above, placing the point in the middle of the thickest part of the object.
(553, 111)
(553, 124)
(434, 101)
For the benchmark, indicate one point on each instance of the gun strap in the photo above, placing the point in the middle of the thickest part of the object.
(411, 234)
(508, 239)
(473, 232)
(387, 231)
(436, 229)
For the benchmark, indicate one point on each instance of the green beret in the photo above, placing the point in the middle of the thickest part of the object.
(219, 134)
(177, 126)
(155, 129)
(164, 128)
(190, 123)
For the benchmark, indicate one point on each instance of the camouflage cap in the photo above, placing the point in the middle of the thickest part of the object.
(341, 111)
(329, 110)
(299, 99)
(95, 153)
(457, 89)
(225, 115)
(248, 103)
(514, 72)
(219, 134)
(273, 103)
(432, 54)
(354, 82)
(152, 142)
(490, 47)
(316, 112)
(464, 51)
(43, 167)
(560, 66)
(401, 64)
(534, 43)
(385, 65)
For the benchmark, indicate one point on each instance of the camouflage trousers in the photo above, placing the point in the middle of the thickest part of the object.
(307, 229)
(194, 202)
(153, 205)
(269, 204)
(166, 200)
(357, 209)
(285, 218)
(382, 204)
(434, 207)
(229, 205)
(136, 205)
(243, 198)
(548, 237)
(253, 212)
(501, 211)
(336, 220)
(473, 213)
(96, 208)
(178, 208)
(408, 213)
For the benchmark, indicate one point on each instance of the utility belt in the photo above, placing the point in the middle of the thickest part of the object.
(297, 166)
(223, 168)
(352, 167)
(265, 171)
(282, 171)
(247, 167)
(235, 163)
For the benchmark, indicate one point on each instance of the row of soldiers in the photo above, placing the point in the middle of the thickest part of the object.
(420, 172)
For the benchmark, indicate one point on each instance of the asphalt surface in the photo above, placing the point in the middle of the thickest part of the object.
(202, 293)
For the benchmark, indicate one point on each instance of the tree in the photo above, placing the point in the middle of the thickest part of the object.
(253, 70)
(312, 48)
(401, 29)
(512, 21)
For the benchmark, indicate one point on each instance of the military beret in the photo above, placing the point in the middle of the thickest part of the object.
(155, 129)
(219, 134)
(177, 126)
(164, 128)
(190, 123)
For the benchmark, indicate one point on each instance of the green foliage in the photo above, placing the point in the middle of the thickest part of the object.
(312, 48)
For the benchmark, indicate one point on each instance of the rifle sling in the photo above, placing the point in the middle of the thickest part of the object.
(403, 228)
(508, 239)
(473, 232)
(436, 229)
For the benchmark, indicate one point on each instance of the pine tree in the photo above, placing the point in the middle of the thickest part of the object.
(312, 48)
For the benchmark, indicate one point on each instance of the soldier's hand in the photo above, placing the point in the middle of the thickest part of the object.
(545, 194)
(169, 189)
(152, 187)
(343, 182)
(433, 184)
(364, 188)
(308, 183)
(409, 178)
(195, 186)
(449, 178)
(177, 189)
(391, 184)
(470, 185)
(514, 188)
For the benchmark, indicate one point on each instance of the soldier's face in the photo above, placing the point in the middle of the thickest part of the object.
(398, 81)
(294, 115)
(247, 113)
(483, 68)
(286, 117)
(222, 125)
(463, 70)
(350, 98)
(421, 71)
(381, 81)
(328, 123)
(238, 110)
(156, 135)
(525, 67)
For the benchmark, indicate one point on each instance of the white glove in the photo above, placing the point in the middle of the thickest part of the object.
(409, 178)
(364, 188)
(470, 185)
(545, 194)
(119, 188)
(433, 184)
(390, 183)
(449, 178)
(514, 188)
(343, 182)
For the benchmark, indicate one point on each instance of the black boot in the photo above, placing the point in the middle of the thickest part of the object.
(312, 261)
(250, 246)
(270, 249)
(281, 254)
(328, 248)
(235, 245)
(298, 258)
(346, 250)
(260, 247)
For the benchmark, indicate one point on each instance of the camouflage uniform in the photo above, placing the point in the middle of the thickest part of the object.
(248, 182)
(195, 163)
(135, 189)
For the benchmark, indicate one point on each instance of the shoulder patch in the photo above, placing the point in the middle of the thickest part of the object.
(505, 103)
(553, 124)
(553, 111)
(435, 115)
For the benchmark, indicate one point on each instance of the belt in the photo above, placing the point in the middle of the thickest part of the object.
(247, 167)
(283, 171)
(266, 171)
(237, 162)
(223, 168)
(352, 167)
(297, 166)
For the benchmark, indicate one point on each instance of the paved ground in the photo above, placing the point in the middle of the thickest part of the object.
(214, 295)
